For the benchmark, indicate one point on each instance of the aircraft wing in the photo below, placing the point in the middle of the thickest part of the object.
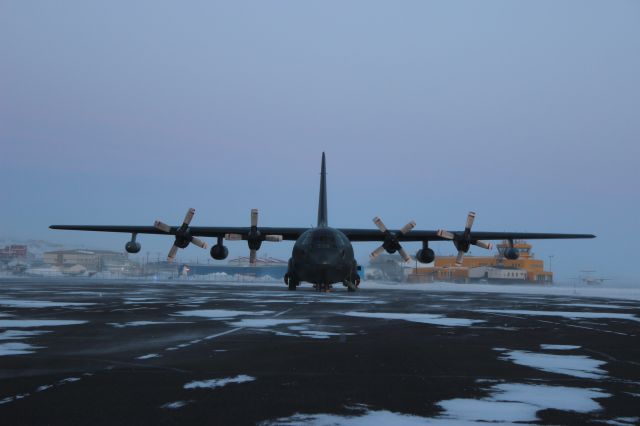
(196, 231)
(418, 235)
(292, 234)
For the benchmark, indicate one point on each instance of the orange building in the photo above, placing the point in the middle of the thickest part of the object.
(490, 268)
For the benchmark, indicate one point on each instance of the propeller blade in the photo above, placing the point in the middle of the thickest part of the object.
(254, 217)
(172, 253)
(408, 227)
(273, 238)
(233, 237)
(189, 216)
(199, 242)
(162, 226)
(252, 257)
(379, 224)
(483, 244)
(459, 258)
(404, 254)
(445, 234)
(470, 219)
(376, 252)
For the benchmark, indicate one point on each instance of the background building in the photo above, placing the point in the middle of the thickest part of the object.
(91, 260)
(487, 268)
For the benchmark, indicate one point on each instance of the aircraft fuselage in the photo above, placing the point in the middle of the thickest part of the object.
(322, 256)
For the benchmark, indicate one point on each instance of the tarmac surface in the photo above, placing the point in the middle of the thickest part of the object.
(99, 352)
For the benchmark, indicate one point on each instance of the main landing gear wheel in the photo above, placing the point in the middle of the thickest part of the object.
(291, 282)
(350, 286)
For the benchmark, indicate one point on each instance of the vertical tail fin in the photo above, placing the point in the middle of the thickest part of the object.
(322, 203)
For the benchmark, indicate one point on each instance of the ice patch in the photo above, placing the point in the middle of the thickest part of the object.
(141, 323)
(571, 315)
(16, 348)
(174, 405)
(69, 380)
(20, 334)
(17, 303)
(37, 323)
(265, 322)
(43, 388)
(220, 313)
(571, 365)
(433, 319)
(148, 356)
(559, 347)
(218, 383)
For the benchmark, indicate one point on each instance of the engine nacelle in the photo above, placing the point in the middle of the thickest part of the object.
(219, 252)
(425, 255)
(132, 247)
(511, 254)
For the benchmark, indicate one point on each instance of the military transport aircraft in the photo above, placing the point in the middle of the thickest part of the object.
(321, 255)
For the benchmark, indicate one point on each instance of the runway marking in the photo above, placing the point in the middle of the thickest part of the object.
(558, 323)
(213, 336)
(223, 333)
(611, 358)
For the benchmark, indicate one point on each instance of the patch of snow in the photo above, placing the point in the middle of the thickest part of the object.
(141, 323)
(347, 300)
(559, 347)
(20, 334)
(513, 402)
(218, 383)
(571, 365)
(366, 418)
(220, 313)
(632, 293)
(433, 319)
(265, 322)
(623, 421)
(17, 303)
(37, 323)
(596, 305)
(564, 314)
(16, 348)
(43, 388)
(69, 380)
(174, 405)
(322, 334)
(148, 356)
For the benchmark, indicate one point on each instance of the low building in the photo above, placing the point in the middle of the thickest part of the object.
(487, 268)
(14, 251)
(91, 260)
(241, 266)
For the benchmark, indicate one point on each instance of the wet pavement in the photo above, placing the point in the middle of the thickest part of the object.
(99, 352)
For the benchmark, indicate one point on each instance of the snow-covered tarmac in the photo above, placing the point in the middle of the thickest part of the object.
(105, 352)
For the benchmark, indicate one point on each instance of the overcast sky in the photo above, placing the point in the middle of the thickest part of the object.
(124, 112)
